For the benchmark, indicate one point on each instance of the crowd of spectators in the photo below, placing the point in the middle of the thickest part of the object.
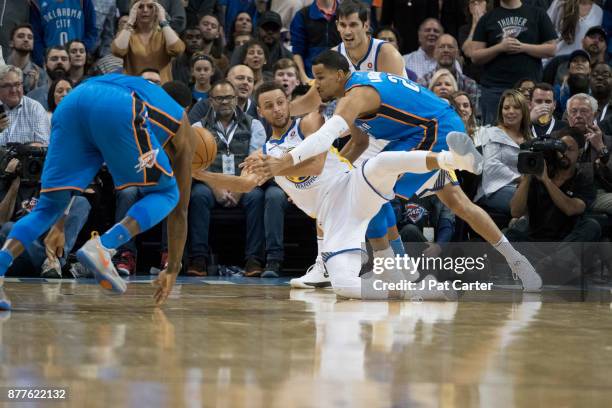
(515, 71)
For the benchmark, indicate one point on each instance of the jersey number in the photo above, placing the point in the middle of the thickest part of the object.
(394, 79)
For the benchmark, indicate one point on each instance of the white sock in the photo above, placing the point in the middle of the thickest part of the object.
(505, 248)
(319, 249)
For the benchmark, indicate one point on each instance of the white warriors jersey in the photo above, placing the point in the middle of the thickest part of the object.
(306, 192)
(369, 63)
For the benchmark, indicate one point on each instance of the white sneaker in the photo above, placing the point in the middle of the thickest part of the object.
(5, 303)
(316, 277)
(99, 260)
(419, 294)
(465, 155)
(51, 269)
(522, 268)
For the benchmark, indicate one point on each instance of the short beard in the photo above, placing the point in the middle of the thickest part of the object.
(58, 73)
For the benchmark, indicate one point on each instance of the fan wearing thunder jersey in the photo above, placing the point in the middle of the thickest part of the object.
(409, 117)
(364, 54)
(343, 199)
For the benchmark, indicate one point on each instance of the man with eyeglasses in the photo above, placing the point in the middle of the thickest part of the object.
(237, 135)
(24, 120)
(243, 80)
(446, 54)
(22, 44)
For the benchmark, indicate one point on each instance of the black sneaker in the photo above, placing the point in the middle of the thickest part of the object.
(272, 269)
(252, 268)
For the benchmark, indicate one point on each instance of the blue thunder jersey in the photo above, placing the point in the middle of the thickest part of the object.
(409, 115)
(63, 20)
(163, 112)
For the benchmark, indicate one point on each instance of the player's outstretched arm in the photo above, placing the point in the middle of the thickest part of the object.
(238, 184)
(357, 102)
(306, 103)
(180, 151)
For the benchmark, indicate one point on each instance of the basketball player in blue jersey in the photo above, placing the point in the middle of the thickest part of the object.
(138, 130)
(375, 105)
(364, 54)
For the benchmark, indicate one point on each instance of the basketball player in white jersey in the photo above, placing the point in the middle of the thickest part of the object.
(364, 54)
(342, 198)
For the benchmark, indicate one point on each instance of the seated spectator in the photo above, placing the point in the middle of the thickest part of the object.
(22, 44)
(601, 90)
(241, 39)
(152, 75)
(427, 212)
(391, 35)
(232, 8)
(446, 54)
(268, 32)
(541, 111)
(213, 41)
(572, 19)
(79, 61)
(581, 109)
(243, 79)
(24, 120)
(500, 152)
(313, 30)
(577, 80)
(594, 43)
(14, 14)
(509, 51)
(554, 204)
(465, 108)
(57, 91)
(55, 24)
(202, 70)
(194, 43)
(243, 24)
(57, 65)
(286, 75)
(525, 86)
(232, 149)
(147, 40)
(443, 83)
(422, 60)
(255, 55)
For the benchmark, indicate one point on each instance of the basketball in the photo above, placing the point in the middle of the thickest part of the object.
(205, 149)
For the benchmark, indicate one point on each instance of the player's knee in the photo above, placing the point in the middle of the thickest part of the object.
(53, 202)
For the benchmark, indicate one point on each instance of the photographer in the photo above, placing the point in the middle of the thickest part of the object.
(555, 200)
(20, 170)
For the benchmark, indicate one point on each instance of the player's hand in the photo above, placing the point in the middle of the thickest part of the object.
(55, 242)
(4, 122)
(270, 166)
(133, 13)
(164, 284)
(594, 136)
(161, 12)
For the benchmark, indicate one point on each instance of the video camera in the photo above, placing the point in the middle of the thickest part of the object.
(536, 152)
(31, 161)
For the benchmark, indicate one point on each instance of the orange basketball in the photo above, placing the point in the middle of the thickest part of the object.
(205, 149)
